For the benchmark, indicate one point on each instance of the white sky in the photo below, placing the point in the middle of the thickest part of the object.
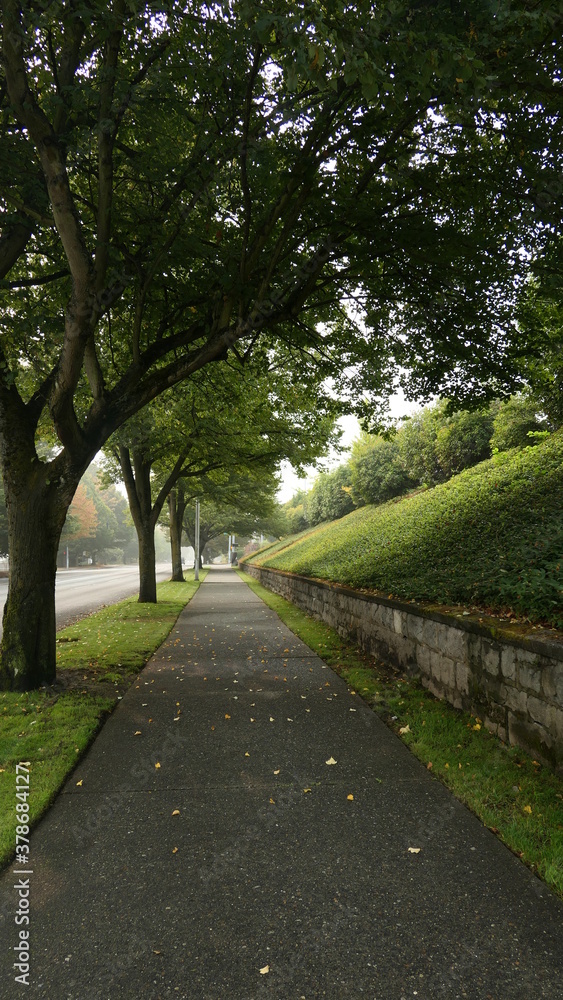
(290, 483)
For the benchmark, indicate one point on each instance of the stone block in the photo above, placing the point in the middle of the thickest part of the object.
(423, 660)
(453, 642)
(414, 627)
(538, 711)
(490, 658)
(552, 682)
(442, 669)
(429, 636)
(462, 677)
(529, 676)
(517, 701)
(399, 622)
(386, 616)
(508, 663)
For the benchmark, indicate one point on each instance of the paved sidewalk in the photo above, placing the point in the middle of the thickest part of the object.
(211, 852)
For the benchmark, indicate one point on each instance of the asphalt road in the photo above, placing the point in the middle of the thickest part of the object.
(85, 589)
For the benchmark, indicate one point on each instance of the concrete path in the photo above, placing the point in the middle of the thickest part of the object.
(205, 849)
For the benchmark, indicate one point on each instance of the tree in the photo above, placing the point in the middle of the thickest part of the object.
(330, 497)
(231, 505)
(517, 418)
(267, 417)
(139, 247)
(464, 440)
(376, 470)
(82, 519)
(417, 444)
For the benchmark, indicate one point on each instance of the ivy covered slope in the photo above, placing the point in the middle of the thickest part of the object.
(492, 536)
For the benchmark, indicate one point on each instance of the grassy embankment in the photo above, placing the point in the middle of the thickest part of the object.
(491, 537)
(98, 658)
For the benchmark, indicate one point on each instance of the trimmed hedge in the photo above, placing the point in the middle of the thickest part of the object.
(492, 536)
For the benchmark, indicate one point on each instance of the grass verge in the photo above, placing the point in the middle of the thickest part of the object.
(490, 538)
(517, 798)
(97, 660)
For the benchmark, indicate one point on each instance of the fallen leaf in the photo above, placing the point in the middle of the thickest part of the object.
(330, 760)
(528, 809)
(414, 850)
(278, 771)
(350, 798)
(174, 850)
(272, 802)
(477, 726)
(305, 790)
(80, 782)
(272, 719)
(138, 733)
(429, 765)
(247, 754)
(176, 812)
(227, 716)
(264, 970)
(404, 729)
(253, 720)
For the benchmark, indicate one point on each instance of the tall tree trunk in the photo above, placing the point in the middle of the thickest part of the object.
(147, 562)
(137, 479)
(37, 498)
(177, 506)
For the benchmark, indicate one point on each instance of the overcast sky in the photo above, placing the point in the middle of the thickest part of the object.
(351, 429)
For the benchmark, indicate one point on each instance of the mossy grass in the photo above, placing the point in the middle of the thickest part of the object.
(513, 795)
(97, 660)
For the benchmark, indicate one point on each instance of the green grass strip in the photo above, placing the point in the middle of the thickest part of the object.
(52, 729)
(517, 798)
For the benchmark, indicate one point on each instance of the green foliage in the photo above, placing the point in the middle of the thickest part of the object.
(516, 422)
(492, 535)
(435, 443)
(464, 440)
(330, 497)
(377, 472)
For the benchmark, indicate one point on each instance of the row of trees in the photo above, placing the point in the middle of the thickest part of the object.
(333, 188)
(423, 450)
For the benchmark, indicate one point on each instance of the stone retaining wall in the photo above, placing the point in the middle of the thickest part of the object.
(514, 684)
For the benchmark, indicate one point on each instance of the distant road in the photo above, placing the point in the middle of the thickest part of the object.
(83, 590)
